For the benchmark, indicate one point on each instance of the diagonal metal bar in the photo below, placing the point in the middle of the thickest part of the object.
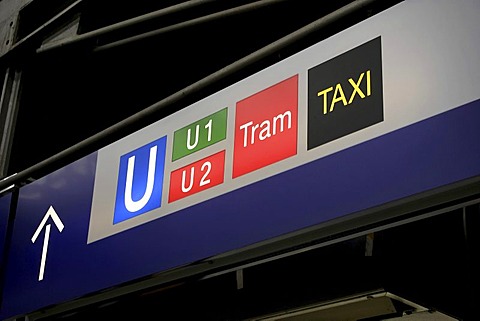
(191, 23)
(125, 24)
(236, 66)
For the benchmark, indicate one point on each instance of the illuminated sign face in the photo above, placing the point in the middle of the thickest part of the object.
(266, 127)
(201, 174)
(345, 94)
(200, 134)
(140, 181)
(196, 177)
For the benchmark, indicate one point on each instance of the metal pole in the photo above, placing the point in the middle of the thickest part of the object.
(8, 115)
(30, 40)
(190, 23)
(126, 23)
(191, 89)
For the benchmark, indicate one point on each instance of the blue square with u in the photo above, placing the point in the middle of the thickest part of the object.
(140, 180)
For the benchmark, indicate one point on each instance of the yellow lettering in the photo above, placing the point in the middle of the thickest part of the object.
(339, 94)
(356, 88)
(324, 93)
(369, 88)
(338, 89)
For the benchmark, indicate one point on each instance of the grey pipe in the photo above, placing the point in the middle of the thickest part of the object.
(283, 42)
(190, 23)
(125, 24)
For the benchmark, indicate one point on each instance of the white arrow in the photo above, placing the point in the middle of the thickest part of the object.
(56, 219)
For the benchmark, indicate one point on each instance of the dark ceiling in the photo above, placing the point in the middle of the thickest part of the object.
(73, 92)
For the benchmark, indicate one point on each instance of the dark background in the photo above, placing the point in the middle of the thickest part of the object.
(71, 93)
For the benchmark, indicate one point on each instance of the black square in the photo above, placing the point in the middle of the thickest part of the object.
(345, 94)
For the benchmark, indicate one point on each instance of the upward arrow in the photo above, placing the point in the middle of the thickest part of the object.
(56, 219)
(58, 223)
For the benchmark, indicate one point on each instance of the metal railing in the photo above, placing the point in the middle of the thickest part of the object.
(272, 48)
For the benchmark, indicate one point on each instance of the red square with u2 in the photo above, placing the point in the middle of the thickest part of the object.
(266, 127)
(196, 177)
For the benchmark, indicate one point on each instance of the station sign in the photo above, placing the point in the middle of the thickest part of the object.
(369, 116)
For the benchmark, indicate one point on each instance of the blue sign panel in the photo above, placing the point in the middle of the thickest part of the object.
(50, 254)
(47, 256)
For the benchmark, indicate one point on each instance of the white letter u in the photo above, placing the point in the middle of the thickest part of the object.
(131, 205)
(189, 187)
(189, 138)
